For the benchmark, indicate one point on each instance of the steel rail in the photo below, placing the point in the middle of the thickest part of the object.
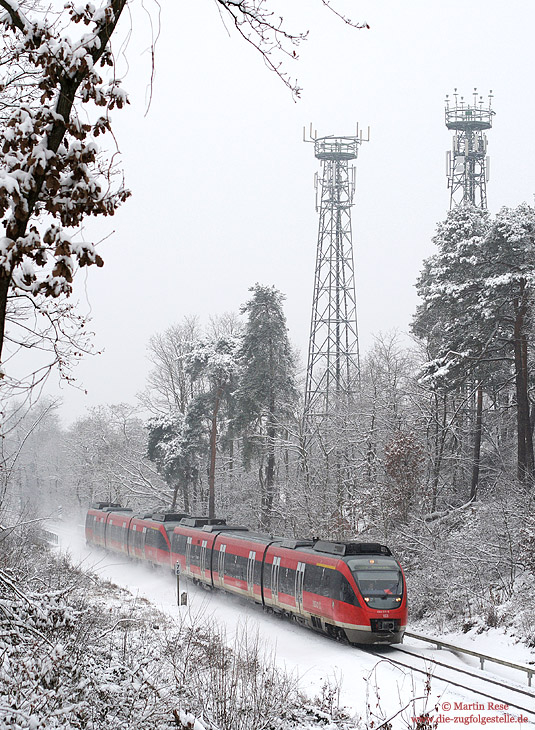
(482, 657)
(460, 670)
(495, 681)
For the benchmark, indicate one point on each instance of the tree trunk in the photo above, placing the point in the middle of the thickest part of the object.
(269, 482)
(69, 85)
(439, 445)
(4, 291)
(477, 443)
(530, 461)
(185, 494)
(525, 468)
(213, 444)
(175, 493)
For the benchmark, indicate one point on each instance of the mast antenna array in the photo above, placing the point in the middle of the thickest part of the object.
(467, 163)
(333, 369)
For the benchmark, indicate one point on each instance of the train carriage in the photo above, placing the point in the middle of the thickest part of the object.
(97, 520)
(352, 591)
(117, 529)
(145, 537)
(238, 563)
(158, 530)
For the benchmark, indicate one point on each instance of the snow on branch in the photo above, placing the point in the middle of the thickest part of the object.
(52, 172)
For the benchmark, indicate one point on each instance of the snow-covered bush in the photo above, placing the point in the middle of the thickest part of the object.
(464, 567)
(77, 653)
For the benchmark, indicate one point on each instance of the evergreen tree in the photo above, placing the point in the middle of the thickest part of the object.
(266, 394)
(172, 448)
(213, 360)
(477, 295)
(454, 335)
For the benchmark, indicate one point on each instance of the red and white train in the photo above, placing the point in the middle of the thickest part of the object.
(349, 590)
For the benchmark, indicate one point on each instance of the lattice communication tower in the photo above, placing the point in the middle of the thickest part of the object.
(467, 164)
(333, 371)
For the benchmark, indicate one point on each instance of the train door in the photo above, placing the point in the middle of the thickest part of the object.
(221, 565)
(203, 559)
(188, 555)
(299, 578)
(275, 568)
(250, 572)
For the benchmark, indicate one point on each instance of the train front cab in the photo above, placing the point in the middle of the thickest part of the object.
(381, 594)
(358, 597)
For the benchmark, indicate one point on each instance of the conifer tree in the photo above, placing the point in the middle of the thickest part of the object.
(477, 294)
(215, 362)
(266, 393)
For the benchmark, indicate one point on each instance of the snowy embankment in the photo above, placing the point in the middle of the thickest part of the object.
(370, 687)
(79, 653)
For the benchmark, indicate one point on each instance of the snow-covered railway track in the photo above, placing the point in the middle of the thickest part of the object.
(514, 698)
(312, 655)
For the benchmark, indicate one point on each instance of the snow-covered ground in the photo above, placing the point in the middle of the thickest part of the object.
(371, 686)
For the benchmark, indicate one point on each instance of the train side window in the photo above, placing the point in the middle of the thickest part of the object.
(312, 579)
(287, 581)
(114, 532)
(236, 566)
(241, 567)
(257, 574)
(155, 539)
(342, 589)
(178, 543)
(268, 572)
(139, 539)
(318, 580)
(231, 566)
(195, 555)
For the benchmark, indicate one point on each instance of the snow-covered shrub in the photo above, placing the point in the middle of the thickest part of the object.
(77, 653)
(463, 566)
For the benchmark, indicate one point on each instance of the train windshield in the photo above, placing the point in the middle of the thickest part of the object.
(379, 580)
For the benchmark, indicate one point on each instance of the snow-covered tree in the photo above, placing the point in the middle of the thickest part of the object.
(172, 447)
(52, 174)
(32, 462)
(477, 296)
(266, 394)
(169, 385)
(215, 362)
(106, 453)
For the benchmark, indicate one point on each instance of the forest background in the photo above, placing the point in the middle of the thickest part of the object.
(434, 456)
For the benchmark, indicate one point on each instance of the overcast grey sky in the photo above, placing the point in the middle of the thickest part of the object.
(222, 183)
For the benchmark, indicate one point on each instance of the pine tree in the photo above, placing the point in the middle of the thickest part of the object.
(213, 360)
(266, 393)
(477, 295)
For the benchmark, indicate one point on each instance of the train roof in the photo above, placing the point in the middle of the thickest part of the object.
(200, 522)
(311, 545)
(245, 534)
(167, 516)
(225, 528)
(106, 506)
(219, 525)
(344, 549)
